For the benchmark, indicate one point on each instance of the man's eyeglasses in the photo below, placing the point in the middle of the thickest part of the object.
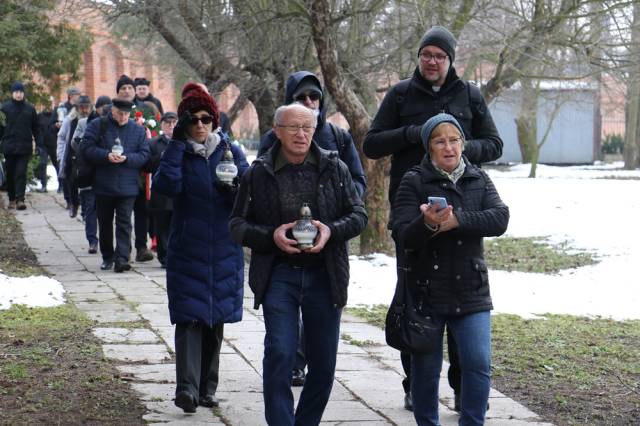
(442, 143)
(427, 57)
(313, 96)
(292, 129)
(205, 119)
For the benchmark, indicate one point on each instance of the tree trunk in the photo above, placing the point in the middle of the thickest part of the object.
(526, 125)
(632, 127)
(375, 237)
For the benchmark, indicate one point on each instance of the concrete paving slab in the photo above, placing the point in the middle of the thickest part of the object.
(167, 413)
(125, 335)
(111, 316)
(349, 411)
(92, 297)
(157, 373)
(240, 381)
(137, 353)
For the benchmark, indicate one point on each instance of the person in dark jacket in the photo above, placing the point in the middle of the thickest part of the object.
(46, 146)
(126, 89)
(144, 95)
(395, 130)
(287, 280)
(18, 134)
(304, 87)
(445, 267)
(118, 155)
(161, 206)
(55, 123)
(67, 152)
(86, 195)
(205, 267)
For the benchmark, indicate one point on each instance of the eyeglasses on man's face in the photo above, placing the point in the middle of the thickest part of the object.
(441, 143)
(313, 96)
(428, 57)
(293, 129)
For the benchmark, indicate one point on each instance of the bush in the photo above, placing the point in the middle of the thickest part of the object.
(613, 144)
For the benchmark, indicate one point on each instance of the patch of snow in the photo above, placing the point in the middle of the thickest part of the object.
(35, 291)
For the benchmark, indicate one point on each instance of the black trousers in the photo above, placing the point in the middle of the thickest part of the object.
(161, 226)
(106, 206)
(198, 358)
(454, 374)
(44, 153)
(16, 175)
(70, 184)
(141, 220)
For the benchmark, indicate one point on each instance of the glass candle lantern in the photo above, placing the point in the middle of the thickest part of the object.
(226, 170)
(117, 147)
(304, 231)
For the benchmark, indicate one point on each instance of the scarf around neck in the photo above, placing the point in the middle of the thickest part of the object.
(455, 174)
(205, 149)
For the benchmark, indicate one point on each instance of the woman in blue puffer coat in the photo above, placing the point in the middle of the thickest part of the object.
(204, 266)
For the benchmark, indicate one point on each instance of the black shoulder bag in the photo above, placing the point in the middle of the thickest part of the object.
(407, 328)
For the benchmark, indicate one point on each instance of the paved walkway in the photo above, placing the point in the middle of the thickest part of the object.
(132, 319)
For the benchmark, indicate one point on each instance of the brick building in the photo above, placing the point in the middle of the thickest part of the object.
(107, 59)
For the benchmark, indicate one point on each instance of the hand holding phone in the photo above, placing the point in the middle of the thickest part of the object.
(438, 202)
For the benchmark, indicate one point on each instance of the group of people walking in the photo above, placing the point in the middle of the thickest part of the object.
(206, 202)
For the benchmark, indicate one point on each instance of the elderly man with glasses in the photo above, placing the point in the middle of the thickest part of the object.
(288, 278)
(395, 130)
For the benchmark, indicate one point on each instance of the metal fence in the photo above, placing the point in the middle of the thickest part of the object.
(612, 127)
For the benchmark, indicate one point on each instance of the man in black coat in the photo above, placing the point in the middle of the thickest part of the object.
(144, 95)
(119, 151)
(126, 89)
(287, 279)
(434, 87)
(19, 132)
(304, 87)
(161, 206)
(46, 146)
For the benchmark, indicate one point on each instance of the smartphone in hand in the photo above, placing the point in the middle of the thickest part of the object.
(438, 202)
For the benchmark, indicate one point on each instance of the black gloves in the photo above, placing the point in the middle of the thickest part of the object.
(180, 131)
(411, 134)
(228, 189)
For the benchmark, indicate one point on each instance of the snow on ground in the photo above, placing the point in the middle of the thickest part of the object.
(30, 291)
(566, 204)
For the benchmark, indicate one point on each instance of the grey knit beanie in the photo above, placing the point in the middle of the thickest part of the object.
(440, 37)
(432, 123)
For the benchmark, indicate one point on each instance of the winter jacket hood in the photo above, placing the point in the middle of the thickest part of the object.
(292, 84)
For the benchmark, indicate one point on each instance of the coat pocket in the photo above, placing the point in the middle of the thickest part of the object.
(481, 275)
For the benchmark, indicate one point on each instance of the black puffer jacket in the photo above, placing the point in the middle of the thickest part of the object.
(412, 102)
(21, 127)
(449, 266)
(256, 215)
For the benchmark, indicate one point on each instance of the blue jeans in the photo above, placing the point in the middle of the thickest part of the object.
(292, 289)
(472, 333)
(88, 203)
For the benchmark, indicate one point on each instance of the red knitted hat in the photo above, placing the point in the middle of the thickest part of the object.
(195, 99)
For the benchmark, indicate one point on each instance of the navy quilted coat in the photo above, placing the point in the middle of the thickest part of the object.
(205, 268)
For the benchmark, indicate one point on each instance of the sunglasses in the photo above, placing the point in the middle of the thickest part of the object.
(313, 96)
(205, 119)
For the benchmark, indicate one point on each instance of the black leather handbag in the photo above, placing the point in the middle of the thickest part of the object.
(407, 327)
